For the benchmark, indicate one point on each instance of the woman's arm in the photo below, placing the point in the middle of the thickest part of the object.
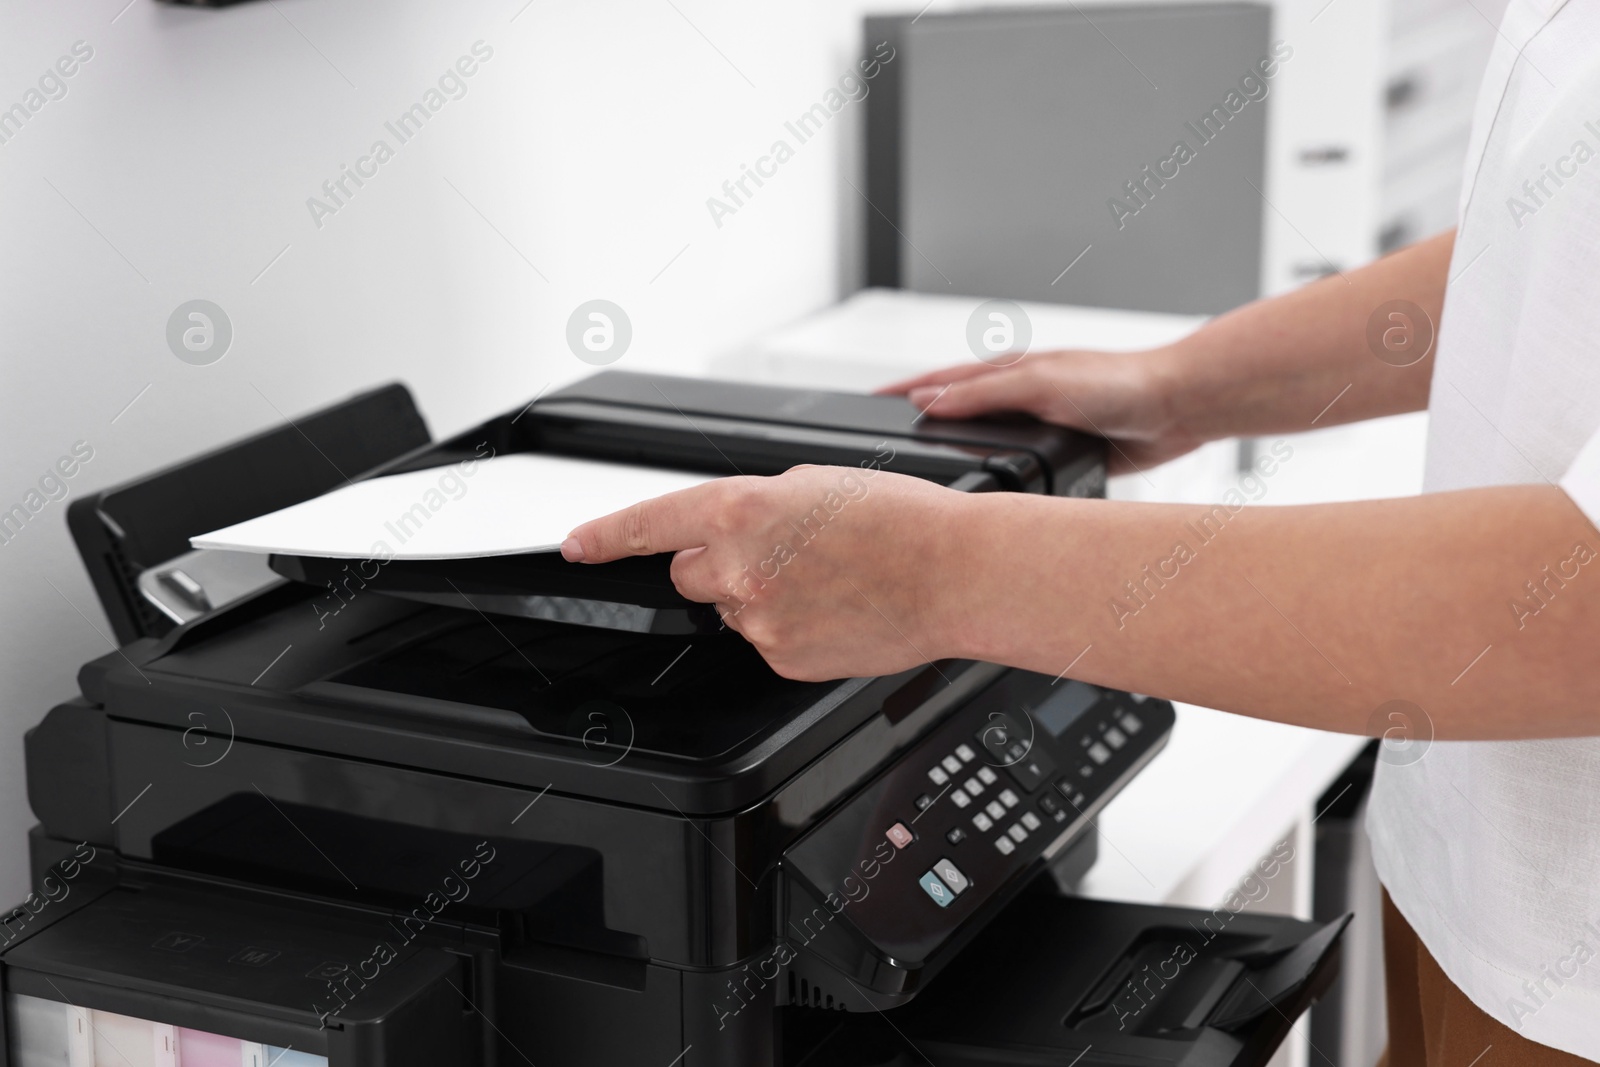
(1273, 366)
(1481, 607)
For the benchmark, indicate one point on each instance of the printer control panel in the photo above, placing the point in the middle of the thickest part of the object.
(961, 819)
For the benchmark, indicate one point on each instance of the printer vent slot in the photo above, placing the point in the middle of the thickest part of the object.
(805, 993)
(126, 573)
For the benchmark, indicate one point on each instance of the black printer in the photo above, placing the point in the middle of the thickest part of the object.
(516, 811)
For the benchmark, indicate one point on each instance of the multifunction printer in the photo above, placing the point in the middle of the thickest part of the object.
(508, 811)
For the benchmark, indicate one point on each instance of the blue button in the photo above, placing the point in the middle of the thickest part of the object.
(936, 889)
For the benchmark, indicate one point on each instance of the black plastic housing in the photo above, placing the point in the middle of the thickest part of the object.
(668, 840)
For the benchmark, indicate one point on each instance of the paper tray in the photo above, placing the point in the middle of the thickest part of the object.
(634, 594)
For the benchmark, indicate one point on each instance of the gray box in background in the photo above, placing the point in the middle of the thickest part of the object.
(997, 148)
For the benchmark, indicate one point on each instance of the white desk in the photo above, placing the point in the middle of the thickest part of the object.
(1227, 789)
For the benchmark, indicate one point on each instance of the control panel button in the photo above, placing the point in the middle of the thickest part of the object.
(960, 799)
(923, 802)
(898, 835)
(1053, 808)
(982, 822)
(1030, 820)
(1008, 798)
(987, 776)
(1032, 771)
(1069, 789)
(1130, 723)
(956, 835)
(937, 776)
(999, 733)
(951, 764)
(1004, 844)
(1099, 753)
(936, 889)
(973, 786)
(951, 875)
(1116, 738)
(1018, 834)
(995, 809)
(964, 753)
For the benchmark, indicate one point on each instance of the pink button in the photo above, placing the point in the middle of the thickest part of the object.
(899, 835)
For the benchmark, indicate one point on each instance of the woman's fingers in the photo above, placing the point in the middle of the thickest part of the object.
(664, 524)
(695, 578)
(822, 569)
(1011, 389)
(942, 376)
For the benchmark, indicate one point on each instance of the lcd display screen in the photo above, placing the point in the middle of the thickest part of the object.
(1065, 706)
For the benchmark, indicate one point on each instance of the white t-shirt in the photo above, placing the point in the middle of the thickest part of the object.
(1491, 850)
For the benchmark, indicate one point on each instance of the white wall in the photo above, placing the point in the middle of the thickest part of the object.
(190, 143)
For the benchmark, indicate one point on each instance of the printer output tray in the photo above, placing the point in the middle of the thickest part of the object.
(1058, 981)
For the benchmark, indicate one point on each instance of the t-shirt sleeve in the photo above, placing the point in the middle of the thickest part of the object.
(1582, 480)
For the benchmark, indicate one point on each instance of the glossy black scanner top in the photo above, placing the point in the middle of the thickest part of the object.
(692, 721)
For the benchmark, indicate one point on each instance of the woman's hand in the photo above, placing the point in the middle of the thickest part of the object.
(1285, 364)
(1127, 398)
(831, 572)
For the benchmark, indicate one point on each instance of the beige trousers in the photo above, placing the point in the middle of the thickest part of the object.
(1433, 1024)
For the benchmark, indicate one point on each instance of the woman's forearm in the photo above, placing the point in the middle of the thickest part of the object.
(1276, 365)
(1481, 607)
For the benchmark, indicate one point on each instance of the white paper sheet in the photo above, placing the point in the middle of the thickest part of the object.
(523, 502)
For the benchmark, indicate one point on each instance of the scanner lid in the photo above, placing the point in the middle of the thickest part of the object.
(696, 722)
